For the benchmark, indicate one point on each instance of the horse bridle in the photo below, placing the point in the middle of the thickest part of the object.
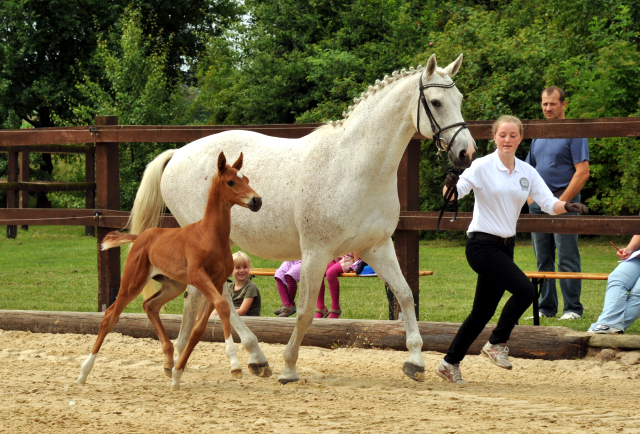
(441, 144)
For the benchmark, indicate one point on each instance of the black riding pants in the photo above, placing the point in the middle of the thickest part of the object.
(497, 273)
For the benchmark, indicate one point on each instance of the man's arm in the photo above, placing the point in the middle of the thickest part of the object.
(577, 181)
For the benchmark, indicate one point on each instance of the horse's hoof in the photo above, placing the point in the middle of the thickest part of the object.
(236, 373)
(175, 386)
(260, 369)
(287, 380)
(414, 372)
(168, 372)
(81, 380)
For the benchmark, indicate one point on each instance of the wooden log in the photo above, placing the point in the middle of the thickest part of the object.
(623, 342)
(550, 343)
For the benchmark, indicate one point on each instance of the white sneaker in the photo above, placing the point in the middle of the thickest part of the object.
(498, 354)
(449, 372)
(569, 315)
(605, 329)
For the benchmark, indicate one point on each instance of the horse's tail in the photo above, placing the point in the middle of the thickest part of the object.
(148, 205)
(117, 238)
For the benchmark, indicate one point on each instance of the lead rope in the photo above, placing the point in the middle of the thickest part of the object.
(453, 192)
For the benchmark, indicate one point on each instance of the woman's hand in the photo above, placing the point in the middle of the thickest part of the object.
(576, 207)
(623, 253)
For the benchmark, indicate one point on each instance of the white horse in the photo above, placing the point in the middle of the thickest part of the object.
(331, 192)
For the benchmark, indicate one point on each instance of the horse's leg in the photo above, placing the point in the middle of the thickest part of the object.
(215, 298)
(312, 273)
(193, 302)
(170, 289)
(258, 364)
(385, 263)
(133, 280)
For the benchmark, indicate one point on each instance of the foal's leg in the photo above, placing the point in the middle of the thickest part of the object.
(170, 289)
(215, 298)
(134, 279)
(385, 263)
(313, 268)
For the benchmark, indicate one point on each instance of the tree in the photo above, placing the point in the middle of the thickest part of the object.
(42, 40)
(302, 61)
(138, 89)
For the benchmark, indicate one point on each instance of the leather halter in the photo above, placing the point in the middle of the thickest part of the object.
(442, 144)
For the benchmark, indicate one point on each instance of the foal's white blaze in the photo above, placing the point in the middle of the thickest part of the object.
(240, 175)
(86, 368)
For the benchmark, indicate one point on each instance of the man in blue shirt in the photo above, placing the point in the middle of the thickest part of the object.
(564, 166)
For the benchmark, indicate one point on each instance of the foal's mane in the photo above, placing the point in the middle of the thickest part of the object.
(379, 85)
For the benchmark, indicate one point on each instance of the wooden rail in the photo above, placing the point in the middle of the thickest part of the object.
(100, 144)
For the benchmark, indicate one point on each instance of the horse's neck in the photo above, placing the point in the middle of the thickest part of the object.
(382, 126)
(217, 214)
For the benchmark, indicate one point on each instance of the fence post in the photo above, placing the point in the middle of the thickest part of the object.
(24, 177)
(12, 195)
(90, 195)
(108, 197)
(406, 242)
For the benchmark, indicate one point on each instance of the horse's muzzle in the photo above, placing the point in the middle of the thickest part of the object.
(255, 203)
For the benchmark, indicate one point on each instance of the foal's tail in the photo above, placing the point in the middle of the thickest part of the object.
(117, 238)
(148, 205)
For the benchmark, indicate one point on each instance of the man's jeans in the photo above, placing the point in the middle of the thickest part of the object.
(622, 300)
(544, 247)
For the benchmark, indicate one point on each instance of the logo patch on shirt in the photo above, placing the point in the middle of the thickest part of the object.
(524, 184)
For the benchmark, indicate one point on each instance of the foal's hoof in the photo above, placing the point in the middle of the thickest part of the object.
(167, 372)
(414, 372)
(236, 373)
(260, 369)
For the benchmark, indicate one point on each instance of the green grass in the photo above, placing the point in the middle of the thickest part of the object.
(55, 269)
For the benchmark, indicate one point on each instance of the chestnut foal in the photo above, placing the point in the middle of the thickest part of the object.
(198, 254)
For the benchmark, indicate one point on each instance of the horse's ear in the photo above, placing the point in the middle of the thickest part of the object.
(432, 64)
(222, 162)
(453, 68)
(238, 164)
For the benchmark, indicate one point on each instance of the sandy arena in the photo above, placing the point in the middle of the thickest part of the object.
(342, 390)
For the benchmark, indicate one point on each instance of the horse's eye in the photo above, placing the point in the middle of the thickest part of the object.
(230, 183)
(436, 103)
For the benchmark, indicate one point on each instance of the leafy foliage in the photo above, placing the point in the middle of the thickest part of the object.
(303, 61)
(138, 89)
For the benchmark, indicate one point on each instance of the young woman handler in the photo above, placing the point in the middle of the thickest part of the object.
(501, 184)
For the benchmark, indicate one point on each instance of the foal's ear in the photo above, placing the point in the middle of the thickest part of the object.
(238, 164)
(432, 64)
(222, 162)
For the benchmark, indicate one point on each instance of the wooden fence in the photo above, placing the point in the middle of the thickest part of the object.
(103, 184)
